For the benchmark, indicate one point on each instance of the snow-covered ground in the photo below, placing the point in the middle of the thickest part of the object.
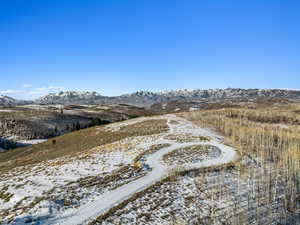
(32, 141)
(6, 110)
(30, 187)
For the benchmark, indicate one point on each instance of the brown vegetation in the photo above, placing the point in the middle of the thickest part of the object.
(191, 154)
(270, 137)
(47, 121)
(78, 141)
(151, 150)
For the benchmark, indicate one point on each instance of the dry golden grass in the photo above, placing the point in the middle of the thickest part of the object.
(188, 154)
(187, 138)
(267, 115)
(151, 150)
(5, 196)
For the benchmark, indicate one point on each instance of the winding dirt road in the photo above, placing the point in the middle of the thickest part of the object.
(177, 126)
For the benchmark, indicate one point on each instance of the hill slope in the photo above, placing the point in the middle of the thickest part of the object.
(8, 101)
(18, 124)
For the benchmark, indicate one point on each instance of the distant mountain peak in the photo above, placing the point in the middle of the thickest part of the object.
(147, 98)
(74, 93)
(70, 97)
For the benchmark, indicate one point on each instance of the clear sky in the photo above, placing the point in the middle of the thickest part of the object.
(120, 46)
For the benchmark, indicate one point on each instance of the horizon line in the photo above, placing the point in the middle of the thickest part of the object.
(156, 92)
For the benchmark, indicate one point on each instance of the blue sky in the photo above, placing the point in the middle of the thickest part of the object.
(120, 46)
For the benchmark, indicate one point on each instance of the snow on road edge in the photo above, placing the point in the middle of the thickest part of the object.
(90, 211)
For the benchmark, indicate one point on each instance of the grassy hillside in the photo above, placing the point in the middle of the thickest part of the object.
(47, 121)
(75, 142)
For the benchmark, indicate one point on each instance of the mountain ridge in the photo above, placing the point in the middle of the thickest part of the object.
(147, 98)
(9, 101)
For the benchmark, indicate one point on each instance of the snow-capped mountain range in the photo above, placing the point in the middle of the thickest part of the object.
(70, 97)
(147, 98)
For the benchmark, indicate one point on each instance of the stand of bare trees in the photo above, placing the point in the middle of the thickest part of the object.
(269, 186)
